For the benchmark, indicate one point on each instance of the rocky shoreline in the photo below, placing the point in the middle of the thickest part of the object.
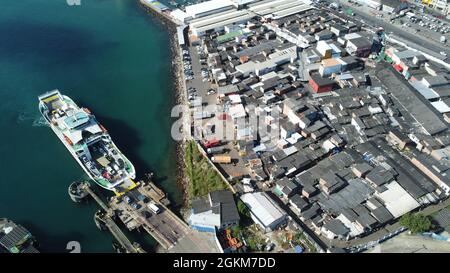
(180, 99)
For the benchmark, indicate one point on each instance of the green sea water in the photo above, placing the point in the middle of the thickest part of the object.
(109, 56)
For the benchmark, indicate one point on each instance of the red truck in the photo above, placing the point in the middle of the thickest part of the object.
(211, 143)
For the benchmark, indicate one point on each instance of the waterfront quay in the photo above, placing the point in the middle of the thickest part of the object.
(165, 226)
(133, 210)
(160, 9)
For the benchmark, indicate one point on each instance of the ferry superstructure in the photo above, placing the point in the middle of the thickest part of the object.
(15, 238)
(88, 141)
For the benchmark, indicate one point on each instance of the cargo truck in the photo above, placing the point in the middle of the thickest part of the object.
(215, 150)
(223, 159)
(202, 115)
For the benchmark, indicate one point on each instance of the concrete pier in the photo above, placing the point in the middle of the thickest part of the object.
(107, 219)
(155, 7)
(164, 226)
(120, 236)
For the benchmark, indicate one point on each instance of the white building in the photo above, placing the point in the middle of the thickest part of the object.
(397, 200)
(180, 15)
(370, 3)
(240, 3)
(276, 9)
(208, 7)
(440, 5)
(264, 211)
(275, 59)
(218, 21)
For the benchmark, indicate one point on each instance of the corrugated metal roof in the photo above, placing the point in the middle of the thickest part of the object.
(207, 6)
(397, 200)
(263, 208)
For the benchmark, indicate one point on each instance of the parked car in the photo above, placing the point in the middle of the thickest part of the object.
(142, 198)
(270, 247)
(135, 205)
(127, 199)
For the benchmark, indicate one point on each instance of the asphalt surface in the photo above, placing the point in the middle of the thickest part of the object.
(405, 243)
(418, 41)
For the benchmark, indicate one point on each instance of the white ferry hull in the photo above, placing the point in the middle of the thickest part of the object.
(112, 186)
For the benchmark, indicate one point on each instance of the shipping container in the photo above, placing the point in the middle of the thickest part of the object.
(202, 115)
(215, 150)
(223, 159)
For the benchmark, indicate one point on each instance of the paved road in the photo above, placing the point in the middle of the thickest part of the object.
(406, 243)
(418, 41)
(195, 242)
(164, 225)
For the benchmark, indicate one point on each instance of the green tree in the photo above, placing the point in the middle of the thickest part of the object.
(416, 223)
(235, 231)
(243, 209)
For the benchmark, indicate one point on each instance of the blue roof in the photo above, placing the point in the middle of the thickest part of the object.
(298, 249)
(76, 120)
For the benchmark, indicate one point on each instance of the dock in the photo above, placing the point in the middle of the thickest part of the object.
(160, 9)
(97, 199)
(120, 236)
(107, 220)
(165, 227)
(153, 191)
(132, 209)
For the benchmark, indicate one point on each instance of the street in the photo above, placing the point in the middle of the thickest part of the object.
(416, 40)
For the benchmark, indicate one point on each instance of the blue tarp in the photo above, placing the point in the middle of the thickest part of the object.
(203, 228)
(298, 249)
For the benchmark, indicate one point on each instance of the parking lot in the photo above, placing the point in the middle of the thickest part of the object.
(197, 76)
(134, 207)
(422, 28)
(406, 243)
(200, 87)
(425, 26)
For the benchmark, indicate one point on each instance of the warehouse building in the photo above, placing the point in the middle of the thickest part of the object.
(208, 8)
(218, 21)
(240, 3)
(276, 9)
(274, 60)
(264, 211)
(180, 15)
(418, 109)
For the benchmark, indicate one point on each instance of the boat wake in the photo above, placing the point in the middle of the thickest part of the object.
(39, 122)
(36, 121)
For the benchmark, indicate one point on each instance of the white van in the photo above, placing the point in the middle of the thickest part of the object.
(153, 207)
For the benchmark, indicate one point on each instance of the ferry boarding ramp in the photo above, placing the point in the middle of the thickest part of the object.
(126, 186)
(52, 100)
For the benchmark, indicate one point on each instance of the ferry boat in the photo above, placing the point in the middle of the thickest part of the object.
(14, 238)
(88, 141)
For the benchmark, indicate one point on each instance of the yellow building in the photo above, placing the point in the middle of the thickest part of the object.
(440, 5)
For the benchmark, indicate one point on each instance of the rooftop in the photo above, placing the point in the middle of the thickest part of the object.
(263, 207)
